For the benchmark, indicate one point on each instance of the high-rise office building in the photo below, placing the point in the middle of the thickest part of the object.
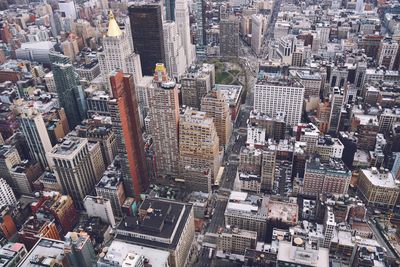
(198, 141)
(164, 121)
(175, 58)
(285, 97)
(268, 164)
(257, 32)
(97, 206)
(7, 196)
(74, 169)
(70, 94)
(216, 106)
(78, 248)
(147, 34)
(125, 117)
(35, 131)
(24, 174)
(229, 37)
(183, 25)
(332, 177)
(170, 9)
(197, 82)
(9, 157)
(337, 98)
(67, 8)
(118, 52)
(200, 14)
(111, 187)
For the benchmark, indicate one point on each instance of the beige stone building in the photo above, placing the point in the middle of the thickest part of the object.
(378, 187)
(216, 106)
(164, 121)
(198, 142)
(237, 240)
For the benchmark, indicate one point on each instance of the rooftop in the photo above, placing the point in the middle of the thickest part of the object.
(69, 147)
(159, 223)
(44, 253)
(231, 92)
(304, 253)
(287, 212)
(112, 177)
(381, 178)
(118, 251)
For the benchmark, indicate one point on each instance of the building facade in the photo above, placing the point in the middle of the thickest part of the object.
(130, 145)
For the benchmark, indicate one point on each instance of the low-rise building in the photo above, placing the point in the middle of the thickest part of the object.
(11, 254)
(161, 224)
(236, 241)
(111, 187)
(124, 254)
(378, 187)
(97, 206)
(301, 253)
(333, 177)
(33, 229)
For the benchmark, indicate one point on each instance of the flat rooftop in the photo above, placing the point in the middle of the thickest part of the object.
(69, 147)
(160, 226)
(43, 253)
(285, 211)
(231, 92)
(380, 178)
(287, 252)
(118, 251)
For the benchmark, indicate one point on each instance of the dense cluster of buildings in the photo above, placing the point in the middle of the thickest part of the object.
(160, 133)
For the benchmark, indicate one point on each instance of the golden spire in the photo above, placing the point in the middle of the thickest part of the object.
(113, 28)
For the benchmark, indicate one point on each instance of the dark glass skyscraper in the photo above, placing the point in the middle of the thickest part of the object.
(170, 9)
(69, 92)
(126, 125)
(147, 34)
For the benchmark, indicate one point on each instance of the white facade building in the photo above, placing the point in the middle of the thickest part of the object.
(183, 27)
(118, 53)
(257, 32)
(272, 98)
(7, 196)
(67, 7)
(97, 206)
(175, 58)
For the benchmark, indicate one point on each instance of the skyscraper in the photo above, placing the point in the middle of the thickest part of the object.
(34, 129)
(9, 157)
(229, 37)
(198, 141)
(216, 106)
(337, 98)
(257, 32)
(125, 117)
(183, 25)
(118, 52)
(74, 169)
(7, 196)
(175, 58)
(170, 9)
(147, 34)
(70, 94)
(164, 121)
(276, 96)
(200, 15)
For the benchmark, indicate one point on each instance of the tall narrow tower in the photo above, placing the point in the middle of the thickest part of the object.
(164, 120)
(125, 119)
(183, 25)
(70, 94)
(147, 34)
(216, 106)
(118, 53)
